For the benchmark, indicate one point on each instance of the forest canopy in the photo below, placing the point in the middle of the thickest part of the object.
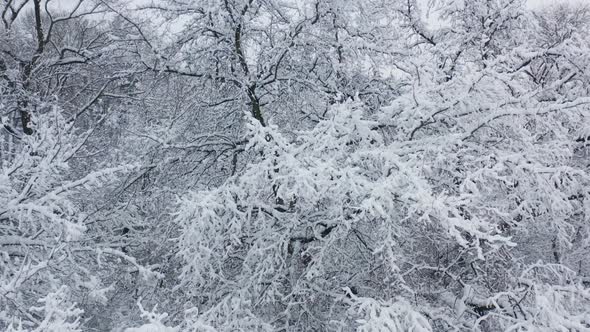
(294, 165)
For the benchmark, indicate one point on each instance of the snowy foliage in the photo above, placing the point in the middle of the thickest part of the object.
(43, 226)
(294, 166)
(154, 322)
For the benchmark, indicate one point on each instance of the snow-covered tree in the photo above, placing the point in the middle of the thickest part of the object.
(462, 204)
